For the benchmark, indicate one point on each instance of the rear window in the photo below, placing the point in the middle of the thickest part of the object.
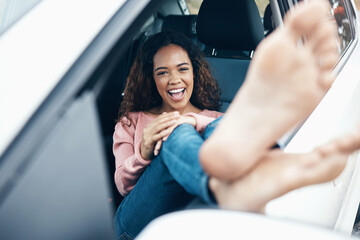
(12, 10)
(194, 5)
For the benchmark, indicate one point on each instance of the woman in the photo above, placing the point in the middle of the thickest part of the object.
(169, 84)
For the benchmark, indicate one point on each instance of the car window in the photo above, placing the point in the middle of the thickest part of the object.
(12, 10)
(194, 5)
(357, 4)
(261, 6)
(344, 16)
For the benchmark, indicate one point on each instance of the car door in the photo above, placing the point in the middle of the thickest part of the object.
(55, 181)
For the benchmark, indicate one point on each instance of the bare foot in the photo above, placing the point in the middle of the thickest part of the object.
(278, 173)
(285, 82)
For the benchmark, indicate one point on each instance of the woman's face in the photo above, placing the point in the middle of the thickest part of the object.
(174, 78)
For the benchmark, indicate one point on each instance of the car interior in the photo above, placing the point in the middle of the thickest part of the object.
(228, 36)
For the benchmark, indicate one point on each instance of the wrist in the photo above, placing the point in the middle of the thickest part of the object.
(190, 120)
(145, 154)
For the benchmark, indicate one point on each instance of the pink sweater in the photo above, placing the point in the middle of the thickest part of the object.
(126, 147)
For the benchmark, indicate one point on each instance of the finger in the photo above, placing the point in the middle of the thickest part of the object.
(161, 122)
(165, 117)
(155, 153)
(171, 129)
(157, 147)
(158, 128)
(163, 126)
(164, 133)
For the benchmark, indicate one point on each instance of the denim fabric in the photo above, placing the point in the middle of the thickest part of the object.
(171, 181)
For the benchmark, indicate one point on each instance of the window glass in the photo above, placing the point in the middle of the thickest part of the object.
(12, 10)
(194, 5)
(343, 14)
(261, 6)
(357, 3)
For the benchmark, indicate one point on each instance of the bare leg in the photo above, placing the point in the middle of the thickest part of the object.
(285, 82)
(279, 173)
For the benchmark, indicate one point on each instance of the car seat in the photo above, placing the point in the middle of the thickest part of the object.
(232, 29)
(185, 24)
(268, 23)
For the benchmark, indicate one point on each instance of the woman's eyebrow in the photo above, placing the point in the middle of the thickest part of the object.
(160, 68)
(181, 64)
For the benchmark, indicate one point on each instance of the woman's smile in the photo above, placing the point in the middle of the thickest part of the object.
(177, 94)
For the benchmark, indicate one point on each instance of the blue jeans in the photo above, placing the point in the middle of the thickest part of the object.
(172, 180)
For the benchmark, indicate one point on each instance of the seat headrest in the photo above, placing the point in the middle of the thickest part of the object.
(185, 24)
(230, 24)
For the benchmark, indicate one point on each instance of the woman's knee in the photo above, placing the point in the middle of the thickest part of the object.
(181, 133)
(184, 128)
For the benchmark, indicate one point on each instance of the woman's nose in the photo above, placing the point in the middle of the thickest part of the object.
(174, 79)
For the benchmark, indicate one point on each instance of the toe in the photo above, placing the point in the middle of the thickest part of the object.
(305, 19)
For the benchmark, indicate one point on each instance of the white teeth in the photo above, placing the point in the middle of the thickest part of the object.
(176, 90)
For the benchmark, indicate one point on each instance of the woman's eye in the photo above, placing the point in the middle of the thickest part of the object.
(160, 73)
(184, 69)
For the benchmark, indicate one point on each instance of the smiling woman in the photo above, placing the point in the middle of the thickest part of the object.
(180, 89)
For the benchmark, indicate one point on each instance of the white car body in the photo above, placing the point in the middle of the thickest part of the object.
(54, 41)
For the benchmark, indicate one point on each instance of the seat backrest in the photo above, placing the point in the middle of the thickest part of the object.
(185, 24)
(230, 74)
(180, 23)
(233, 26)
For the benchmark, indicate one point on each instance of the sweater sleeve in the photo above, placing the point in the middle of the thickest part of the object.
(128, 161)
(204, 118)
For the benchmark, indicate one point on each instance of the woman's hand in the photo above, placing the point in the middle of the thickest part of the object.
(183, 119)
(155, 131)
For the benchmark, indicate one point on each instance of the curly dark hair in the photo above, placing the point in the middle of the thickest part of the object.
(206, 93)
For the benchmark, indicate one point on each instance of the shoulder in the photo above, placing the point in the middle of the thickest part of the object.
(130, 121)
(132, 117)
